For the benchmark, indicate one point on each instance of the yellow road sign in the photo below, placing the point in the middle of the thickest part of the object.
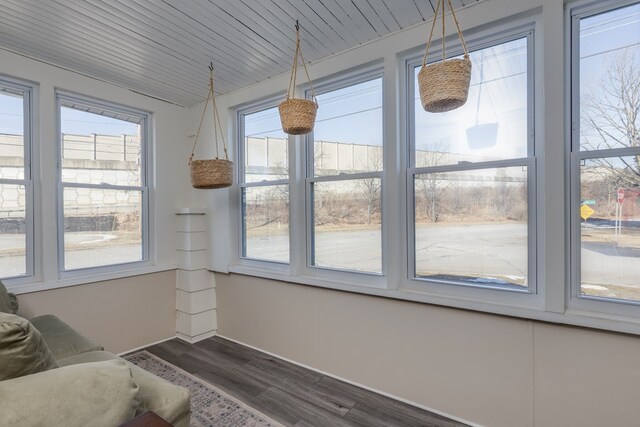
(586, 211)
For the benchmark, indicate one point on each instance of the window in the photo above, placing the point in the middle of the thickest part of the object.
(16, 189)
(605, 152)
(264, 183)
(344, 177)
(103, 194)
(471, 173)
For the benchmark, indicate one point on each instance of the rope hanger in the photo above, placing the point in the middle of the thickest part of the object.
(433, 26)
(294, 71)
(216, 121)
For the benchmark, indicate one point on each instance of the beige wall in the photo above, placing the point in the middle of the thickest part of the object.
(120, 314)
(487, 369)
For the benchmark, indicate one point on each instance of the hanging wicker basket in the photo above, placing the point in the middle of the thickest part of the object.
(211, 173)
(298, 116)
(444, 86)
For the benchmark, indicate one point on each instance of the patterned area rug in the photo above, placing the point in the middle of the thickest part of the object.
(210, 406)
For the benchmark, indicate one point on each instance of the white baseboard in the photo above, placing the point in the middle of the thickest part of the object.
(145, 346)
(195, 339)
(391, 396)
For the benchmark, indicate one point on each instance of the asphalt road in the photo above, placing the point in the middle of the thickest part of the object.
(493, 251)
(100, 251)
(466, 250)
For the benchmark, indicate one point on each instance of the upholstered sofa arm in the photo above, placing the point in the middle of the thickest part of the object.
(89, 394)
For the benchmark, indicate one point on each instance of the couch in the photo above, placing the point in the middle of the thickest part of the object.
(51, 375)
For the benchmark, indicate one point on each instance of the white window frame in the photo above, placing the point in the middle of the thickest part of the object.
(577, 301)
(342, 81)
(396, 282)
(29, 93)
(239, 258)
(62, 97)
(533, 294)
(552, 300)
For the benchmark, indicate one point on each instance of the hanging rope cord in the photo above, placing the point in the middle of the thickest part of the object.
(216, 121)
(433, 27)
(294, 70)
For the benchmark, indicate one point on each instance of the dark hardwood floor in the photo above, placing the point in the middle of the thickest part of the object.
(288, 393)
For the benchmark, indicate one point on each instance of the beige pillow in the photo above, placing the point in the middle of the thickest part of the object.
(22, 349)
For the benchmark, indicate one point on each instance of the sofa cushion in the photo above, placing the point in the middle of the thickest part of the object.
(22, 349)
(62, 339)
(8, 301)
(169, 401)
(91, 394)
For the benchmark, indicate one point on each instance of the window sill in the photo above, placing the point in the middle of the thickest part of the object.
(378, 288)
(282, 276)
(571, 317)
(24, 288)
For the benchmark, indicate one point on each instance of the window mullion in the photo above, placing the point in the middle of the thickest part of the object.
(103, 186)
(264, 183)
(468, 166)
(611, 152)
(14, 181)
(345, 177)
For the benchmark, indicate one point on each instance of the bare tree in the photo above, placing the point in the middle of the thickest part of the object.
(268, 206)
(610, 119)
(370, 188)
(433, 185)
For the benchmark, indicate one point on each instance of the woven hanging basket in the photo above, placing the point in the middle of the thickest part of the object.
(211, 173)
(298, 116)
(444, 86)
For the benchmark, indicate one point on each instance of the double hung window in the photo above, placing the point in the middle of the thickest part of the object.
(344, 182)
(605, 151)
(471, 175)
(103, 193)
(16, 181)
(264, 185)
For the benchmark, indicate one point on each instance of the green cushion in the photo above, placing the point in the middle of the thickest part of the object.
(169, 401)
(8, 301)
(22, 349)
(62, 339)
(94, 394)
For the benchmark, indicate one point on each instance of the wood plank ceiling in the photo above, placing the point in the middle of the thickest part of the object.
(162, 48)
